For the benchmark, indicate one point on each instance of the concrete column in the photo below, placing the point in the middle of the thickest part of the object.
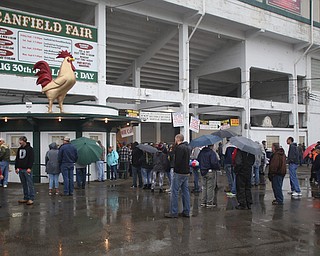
(136, 75)
(158, 132)
(100, 22)
(137, 133)
(136, 83)
(245, 93)
(184, 77)
(195, 89)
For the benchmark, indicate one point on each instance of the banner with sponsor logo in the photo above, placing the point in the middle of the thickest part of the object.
(209, 125)
(26, 38)
(126, 132)
(234, 122)
(155, 117)
(194, 124)
(289, 5)
(177, 119)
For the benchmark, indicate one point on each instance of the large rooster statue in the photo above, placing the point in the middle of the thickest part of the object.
(57, 88)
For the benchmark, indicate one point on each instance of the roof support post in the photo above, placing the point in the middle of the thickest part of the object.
(100, 22)
(184, 78)
(245, 93)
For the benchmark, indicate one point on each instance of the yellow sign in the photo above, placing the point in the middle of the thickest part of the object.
(235, 122)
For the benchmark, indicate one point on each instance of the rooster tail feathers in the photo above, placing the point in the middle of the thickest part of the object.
(44, 73)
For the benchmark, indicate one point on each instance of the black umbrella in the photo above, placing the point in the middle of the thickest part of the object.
(224, 134)
(147, 148)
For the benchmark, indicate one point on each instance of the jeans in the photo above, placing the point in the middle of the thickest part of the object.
(231, 177)
(180, 181)
(154, 179)
(136, 172)
(196, 179)
(208, 185)
(277, 182)
(81, 175)
(99, 166)
(4, 165)
(27, 184)
(294, 183)
(67, 174)
(255, 177)
(113, 170)
(170, 175)
(54, 180)
(146, 176)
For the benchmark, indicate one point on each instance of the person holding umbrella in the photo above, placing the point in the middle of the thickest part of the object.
(243, 169)
(67, 156)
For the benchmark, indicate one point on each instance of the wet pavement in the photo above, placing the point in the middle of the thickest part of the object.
(110, 218)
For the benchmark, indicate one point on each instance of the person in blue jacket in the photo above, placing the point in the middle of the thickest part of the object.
(67, 157)
(112, 161)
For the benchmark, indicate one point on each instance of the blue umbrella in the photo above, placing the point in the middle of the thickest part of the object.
(205, 140)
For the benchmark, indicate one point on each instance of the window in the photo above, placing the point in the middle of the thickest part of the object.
(271, 139)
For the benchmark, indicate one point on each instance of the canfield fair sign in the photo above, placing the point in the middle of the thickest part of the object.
(289, 5)
(26, 38)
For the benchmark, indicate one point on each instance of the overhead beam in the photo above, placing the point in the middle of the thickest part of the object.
(126, 92)
(147, 55)
(149, 105)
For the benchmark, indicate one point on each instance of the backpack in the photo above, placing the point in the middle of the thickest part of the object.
(233, 156)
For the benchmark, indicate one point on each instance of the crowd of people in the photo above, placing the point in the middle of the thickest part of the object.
(149, 166)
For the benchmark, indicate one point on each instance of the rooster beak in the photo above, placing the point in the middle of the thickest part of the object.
(71, 59)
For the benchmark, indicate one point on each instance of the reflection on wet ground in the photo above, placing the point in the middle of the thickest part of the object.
(112, 219)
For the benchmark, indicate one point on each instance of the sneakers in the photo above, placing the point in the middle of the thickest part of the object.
(296, 194)
(5, 186)
(182, 214)
(22, 201)
(275, 202)
(203, 205)
(50, 192)
(169, 215)
(230, 194)
(211, 205)
(290, 192)
(133, 186)
(29, 202)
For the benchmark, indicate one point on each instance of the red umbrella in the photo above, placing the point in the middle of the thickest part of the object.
(309, 149)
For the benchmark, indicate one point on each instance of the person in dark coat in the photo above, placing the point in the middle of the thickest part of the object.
(146, 168)
(68, 155)
(160, 165)
(137, 155)
(23, 166)
(209, 164)
(180, 180)
(52, 167)
(243, 169)
(277, 171)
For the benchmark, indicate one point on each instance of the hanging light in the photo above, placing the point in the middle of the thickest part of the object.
(6, 119)
(106, 120)
(59, 118)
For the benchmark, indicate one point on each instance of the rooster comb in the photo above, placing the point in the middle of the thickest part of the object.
(64, 54)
